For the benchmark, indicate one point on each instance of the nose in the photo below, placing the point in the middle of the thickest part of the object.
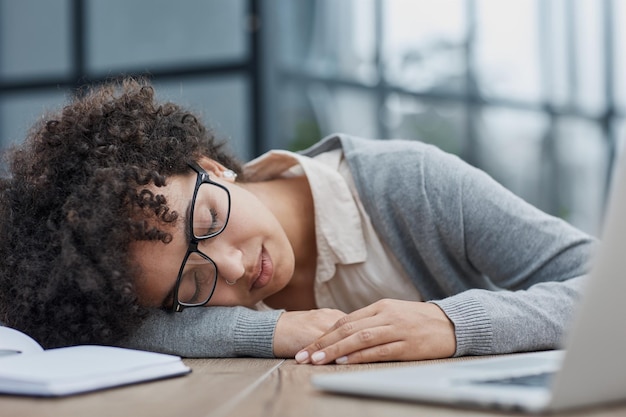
(229, 259)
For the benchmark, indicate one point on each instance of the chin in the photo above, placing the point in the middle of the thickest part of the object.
(280, 283)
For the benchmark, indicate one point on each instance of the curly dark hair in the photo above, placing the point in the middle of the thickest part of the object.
(78, 196)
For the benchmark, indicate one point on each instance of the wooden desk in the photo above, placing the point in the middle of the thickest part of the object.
(239, 388)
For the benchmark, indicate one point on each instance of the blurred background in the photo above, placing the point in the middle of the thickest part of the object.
(531, 91)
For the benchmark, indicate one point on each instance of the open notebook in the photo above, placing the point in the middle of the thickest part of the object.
(591, 370)
(27, 369)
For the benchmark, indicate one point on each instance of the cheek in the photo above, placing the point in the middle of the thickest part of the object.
(248, 210)
(254, 221)
(226, 295)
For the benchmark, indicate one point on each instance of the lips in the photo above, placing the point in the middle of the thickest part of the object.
(265, 269)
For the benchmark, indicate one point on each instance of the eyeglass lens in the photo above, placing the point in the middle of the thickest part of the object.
(210, 211)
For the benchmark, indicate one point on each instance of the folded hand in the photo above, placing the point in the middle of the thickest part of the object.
(388, 330)
(296, 329)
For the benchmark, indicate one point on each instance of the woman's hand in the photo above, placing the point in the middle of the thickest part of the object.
(388, 330)
(297, 329)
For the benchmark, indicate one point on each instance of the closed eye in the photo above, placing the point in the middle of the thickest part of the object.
(205, 221)
(215, 226)
(196, 293)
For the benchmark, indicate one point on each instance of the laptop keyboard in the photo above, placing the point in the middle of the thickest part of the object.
(534, 380)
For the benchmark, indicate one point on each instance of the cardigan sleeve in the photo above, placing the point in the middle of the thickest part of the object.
(208, 332)
(532, 265)
(507, 274)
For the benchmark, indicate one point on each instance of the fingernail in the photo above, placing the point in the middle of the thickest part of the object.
(318, 356)
(302, 356)
(341, 360)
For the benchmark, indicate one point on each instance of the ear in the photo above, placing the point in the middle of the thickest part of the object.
(216, 169)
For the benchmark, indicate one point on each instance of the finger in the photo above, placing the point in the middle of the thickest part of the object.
(379, 353)
(362, 339)
(368, 311)
(344, 330)
(349, 324)
(367, 317)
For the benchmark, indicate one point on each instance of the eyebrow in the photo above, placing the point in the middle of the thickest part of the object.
(188, 234)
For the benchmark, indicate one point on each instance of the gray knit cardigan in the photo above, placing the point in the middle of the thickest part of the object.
(507, 274)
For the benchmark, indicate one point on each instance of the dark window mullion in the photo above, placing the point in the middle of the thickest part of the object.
(382, 88)
(472, 100)
(550, 163)
(255, 77)
(610, 113)
(78, 69)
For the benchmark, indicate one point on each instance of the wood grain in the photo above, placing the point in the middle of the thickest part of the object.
(242, 387)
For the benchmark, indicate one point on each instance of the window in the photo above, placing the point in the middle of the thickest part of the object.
(527, 90)
(531, 91)
(200, 53)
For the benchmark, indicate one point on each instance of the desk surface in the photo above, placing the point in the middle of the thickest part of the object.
(240, 388)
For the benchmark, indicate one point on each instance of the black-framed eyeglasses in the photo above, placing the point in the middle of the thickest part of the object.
(208, 216)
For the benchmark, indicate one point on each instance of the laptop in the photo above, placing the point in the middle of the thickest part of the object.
(591, 370)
